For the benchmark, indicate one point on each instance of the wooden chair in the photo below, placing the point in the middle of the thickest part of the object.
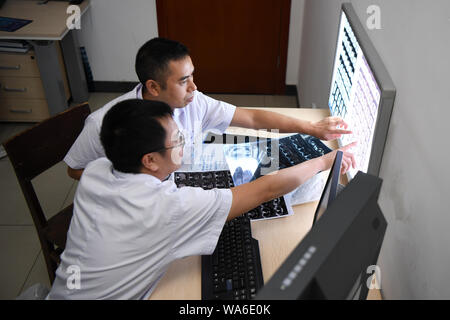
(31, 153)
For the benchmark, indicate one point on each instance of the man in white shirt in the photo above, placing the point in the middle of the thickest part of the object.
(130, 222)
(166, 73)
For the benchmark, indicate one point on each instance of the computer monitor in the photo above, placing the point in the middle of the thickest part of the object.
(361, 92)
(335, 259)
(331, 187)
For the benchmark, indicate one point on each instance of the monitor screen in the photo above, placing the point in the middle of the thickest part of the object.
(360, 90)
(330, 189)
(334, 260)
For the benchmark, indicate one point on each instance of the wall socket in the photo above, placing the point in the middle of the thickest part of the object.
(314, 106)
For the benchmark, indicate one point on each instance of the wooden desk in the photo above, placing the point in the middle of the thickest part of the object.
(277, 237)
(49, 35)
(49, 20)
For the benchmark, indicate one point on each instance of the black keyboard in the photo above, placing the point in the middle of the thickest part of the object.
(233, 271)
(223, 180)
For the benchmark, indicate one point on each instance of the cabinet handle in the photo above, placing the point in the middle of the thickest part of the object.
(10, 67)
(20, 111)
(15, 89)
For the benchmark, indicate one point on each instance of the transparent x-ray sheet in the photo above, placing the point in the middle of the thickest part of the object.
(243, 160)
(204, 157)
(249, 161)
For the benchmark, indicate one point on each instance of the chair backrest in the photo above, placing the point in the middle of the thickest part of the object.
(34, 151)
(41, 147)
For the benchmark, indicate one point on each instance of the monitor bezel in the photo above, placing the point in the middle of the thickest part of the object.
(321, 248)
(332, 183)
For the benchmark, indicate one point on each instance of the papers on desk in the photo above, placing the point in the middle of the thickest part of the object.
(243, 160)
(310, 191)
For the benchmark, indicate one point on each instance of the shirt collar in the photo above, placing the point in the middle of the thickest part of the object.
(138, 91)
(137, 177)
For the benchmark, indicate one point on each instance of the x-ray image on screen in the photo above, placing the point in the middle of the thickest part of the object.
(355, 95)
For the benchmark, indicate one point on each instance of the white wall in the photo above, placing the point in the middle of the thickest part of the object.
(319, 38)
(112, 32)
(414, 45)
(295, 35)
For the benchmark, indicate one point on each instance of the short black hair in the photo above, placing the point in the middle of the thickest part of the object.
(152, 59)
(131, 129)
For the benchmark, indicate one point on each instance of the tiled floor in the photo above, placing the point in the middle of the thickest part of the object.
(21, 260)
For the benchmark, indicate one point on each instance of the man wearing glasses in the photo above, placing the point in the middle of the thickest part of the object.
(130, 222)
(166, 73)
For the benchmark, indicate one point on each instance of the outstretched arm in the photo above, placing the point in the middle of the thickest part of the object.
(250, 195)
(326, 129)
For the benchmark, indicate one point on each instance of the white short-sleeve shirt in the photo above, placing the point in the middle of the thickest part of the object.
(201, 115)
(126, 230)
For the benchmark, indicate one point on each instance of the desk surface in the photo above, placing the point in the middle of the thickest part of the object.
(49, 20)
(277, 237)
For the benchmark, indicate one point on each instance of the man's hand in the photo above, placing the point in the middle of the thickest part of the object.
(327, 129)
(348, 159)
